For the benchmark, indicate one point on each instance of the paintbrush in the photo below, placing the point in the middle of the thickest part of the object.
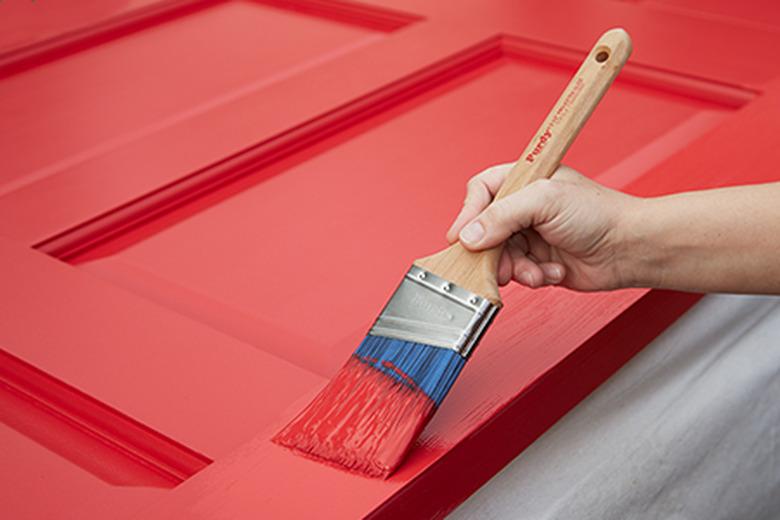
(371, 412)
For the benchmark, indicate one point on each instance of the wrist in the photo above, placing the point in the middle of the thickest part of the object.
(640, 252)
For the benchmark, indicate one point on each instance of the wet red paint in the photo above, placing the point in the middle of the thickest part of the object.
(389, 364)
(401, 373)
(362, 421)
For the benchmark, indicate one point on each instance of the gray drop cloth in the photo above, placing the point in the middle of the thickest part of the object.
(688, 429)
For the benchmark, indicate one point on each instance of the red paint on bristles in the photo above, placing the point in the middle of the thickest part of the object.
(362, 421)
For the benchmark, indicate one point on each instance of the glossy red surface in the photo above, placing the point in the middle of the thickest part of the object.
(204, 204)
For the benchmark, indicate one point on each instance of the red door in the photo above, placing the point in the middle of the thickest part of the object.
(204, 204)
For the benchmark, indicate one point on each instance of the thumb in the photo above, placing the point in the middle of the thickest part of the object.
(508, 215)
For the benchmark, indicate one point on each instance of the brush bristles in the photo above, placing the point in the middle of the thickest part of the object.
(371, 412)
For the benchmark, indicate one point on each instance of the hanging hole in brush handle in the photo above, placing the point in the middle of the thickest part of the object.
(573, 108)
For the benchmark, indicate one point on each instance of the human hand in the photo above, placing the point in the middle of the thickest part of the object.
(567, 230)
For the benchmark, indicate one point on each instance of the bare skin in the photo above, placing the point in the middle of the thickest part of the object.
(574, 232)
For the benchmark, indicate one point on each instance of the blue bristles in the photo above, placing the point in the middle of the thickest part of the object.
(430, 369)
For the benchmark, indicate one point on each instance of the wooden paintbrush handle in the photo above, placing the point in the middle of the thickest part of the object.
(477, 271)
(546, 150)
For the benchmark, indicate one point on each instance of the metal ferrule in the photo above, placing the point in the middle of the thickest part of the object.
(428, 309)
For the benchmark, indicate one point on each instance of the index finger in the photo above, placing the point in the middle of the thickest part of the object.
(480, 191)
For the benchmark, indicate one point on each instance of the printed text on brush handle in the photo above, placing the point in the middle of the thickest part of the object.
(559, 130)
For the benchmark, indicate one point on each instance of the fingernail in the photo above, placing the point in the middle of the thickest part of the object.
(527, 279)
(472, 233)
(555, 273)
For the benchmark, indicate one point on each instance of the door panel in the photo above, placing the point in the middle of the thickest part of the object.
(135, 85)
(206, 203)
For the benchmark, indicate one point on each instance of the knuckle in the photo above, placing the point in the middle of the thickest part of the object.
(473, 183)
(564, 171)
(471, 187)
(475, 191)
(569, 175)
(547, 190)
